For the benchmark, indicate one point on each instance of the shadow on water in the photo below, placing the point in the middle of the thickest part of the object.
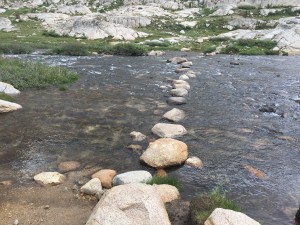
(91, 122)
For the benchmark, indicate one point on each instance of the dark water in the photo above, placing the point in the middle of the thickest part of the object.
(91, 122)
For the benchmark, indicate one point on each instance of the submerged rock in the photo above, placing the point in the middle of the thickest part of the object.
(229, 217)
(68, 166)
(177, 60)
(6, 106)
(105, 176)
(176, 100)
(139, 176)
(130, 204)
(49, 178)
(181, 84)
(165, 152)
(137, 136)
(194, 162)
(256, 172)
(156, 53)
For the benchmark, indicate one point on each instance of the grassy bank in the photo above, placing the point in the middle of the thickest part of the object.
(24, 74)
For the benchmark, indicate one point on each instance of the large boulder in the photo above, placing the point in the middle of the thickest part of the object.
(49, 178)
(130, 204)
(8, 89)
(165, 152)
(139, 176)
(6, 106)
(168, 130)
(229, 217)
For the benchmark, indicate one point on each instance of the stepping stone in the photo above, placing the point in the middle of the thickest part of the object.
(176, 100)
(167, 130)
(179, 92)
(186, 64)
(174, 115)
(184, 77)
(181, 70)
(177, 60)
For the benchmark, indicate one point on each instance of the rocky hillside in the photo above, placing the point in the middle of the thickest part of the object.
(203, 25)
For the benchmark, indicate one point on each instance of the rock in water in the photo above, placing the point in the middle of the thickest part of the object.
(68, 166)
(179, 92)
(6, 106)
(139, 176)
(167, 192)
(92, 187)
(137, 136)
(177, 60)
(49, 178)
(176, 100)
(229, 217)
(168, 130)
(256, 172)
(194, 162)
(8, 89)
(106, 176)
(130, 204)
(165, 152)
(174, 115)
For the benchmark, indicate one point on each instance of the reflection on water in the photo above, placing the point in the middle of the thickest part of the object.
(91, 123)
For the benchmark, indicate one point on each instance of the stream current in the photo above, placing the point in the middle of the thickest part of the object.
(91, 122)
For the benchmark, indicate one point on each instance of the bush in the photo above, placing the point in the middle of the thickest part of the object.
(73, 49)
(158, 43)
(230, 49)
(50, 33)
(203, 205)
(256, 43)
(15, 48)
(165, 180)
(128, 49)
(24, 74)
(209, 49)
(246, 7)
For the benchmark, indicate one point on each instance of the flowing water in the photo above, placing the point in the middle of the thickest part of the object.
(91, 122)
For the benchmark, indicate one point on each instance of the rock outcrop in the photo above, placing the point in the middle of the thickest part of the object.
(130, 204)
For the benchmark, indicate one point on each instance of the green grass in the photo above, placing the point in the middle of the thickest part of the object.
(165, 180)
(73, 49)
(246, 7)
(128, 49)
(6, 97)
(204, 204)
(24, 74)
(15, 48)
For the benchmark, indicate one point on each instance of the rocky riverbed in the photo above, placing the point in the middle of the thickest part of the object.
(242, 117)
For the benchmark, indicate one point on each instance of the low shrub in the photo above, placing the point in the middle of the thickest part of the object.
(128, 49)
(158, 43)
(25, 74)
(258, 43)
(246, 7)
(50, 33)
(230, 49)
(15, 48)
(72, 49)
(165, 180)
(209, 49)
(204, 204)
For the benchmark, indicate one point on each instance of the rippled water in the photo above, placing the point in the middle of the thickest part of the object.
(91, 122)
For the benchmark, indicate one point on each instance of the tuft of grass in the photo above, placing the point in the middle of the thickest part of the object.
(203, 205)
(15, 48)
(24, 74)
(128, 49)
(158, 43)
(73, 49)
(209, 49)
(257, 43)
(51, 33)
(165, 180)
(6, 97)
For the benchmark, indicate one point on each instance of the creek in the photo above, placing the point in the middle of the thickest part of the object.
(91, 122)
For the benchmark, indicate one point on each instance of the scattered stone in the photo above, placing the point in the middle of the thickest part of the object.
(16, 222)
(105, 176)
(182, 32)
(181, 70)
(156, 53)
(185, 49)
(176, 100)
(165, 152)
(137, 136)
(181, 84)
(223, 10)
(186, 64)
(190, 74)
(161, 105)
(177, 60)
(174, 115)
(167, 192)
(46, 207)
(139, 176)
(168, 130)
(6, 183)
(179, 92)
(6, 25)
(194, 162)
(130, 204)
(8, 89)
(268, 108)
(287, 138)
(91, 187)
(184, 77)
(161, 173)
(236, 63)
(229, 217)
(68, 166)
(49, 178)
(189, 24)
(256, 172)
(6, 106)
(135, 148)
